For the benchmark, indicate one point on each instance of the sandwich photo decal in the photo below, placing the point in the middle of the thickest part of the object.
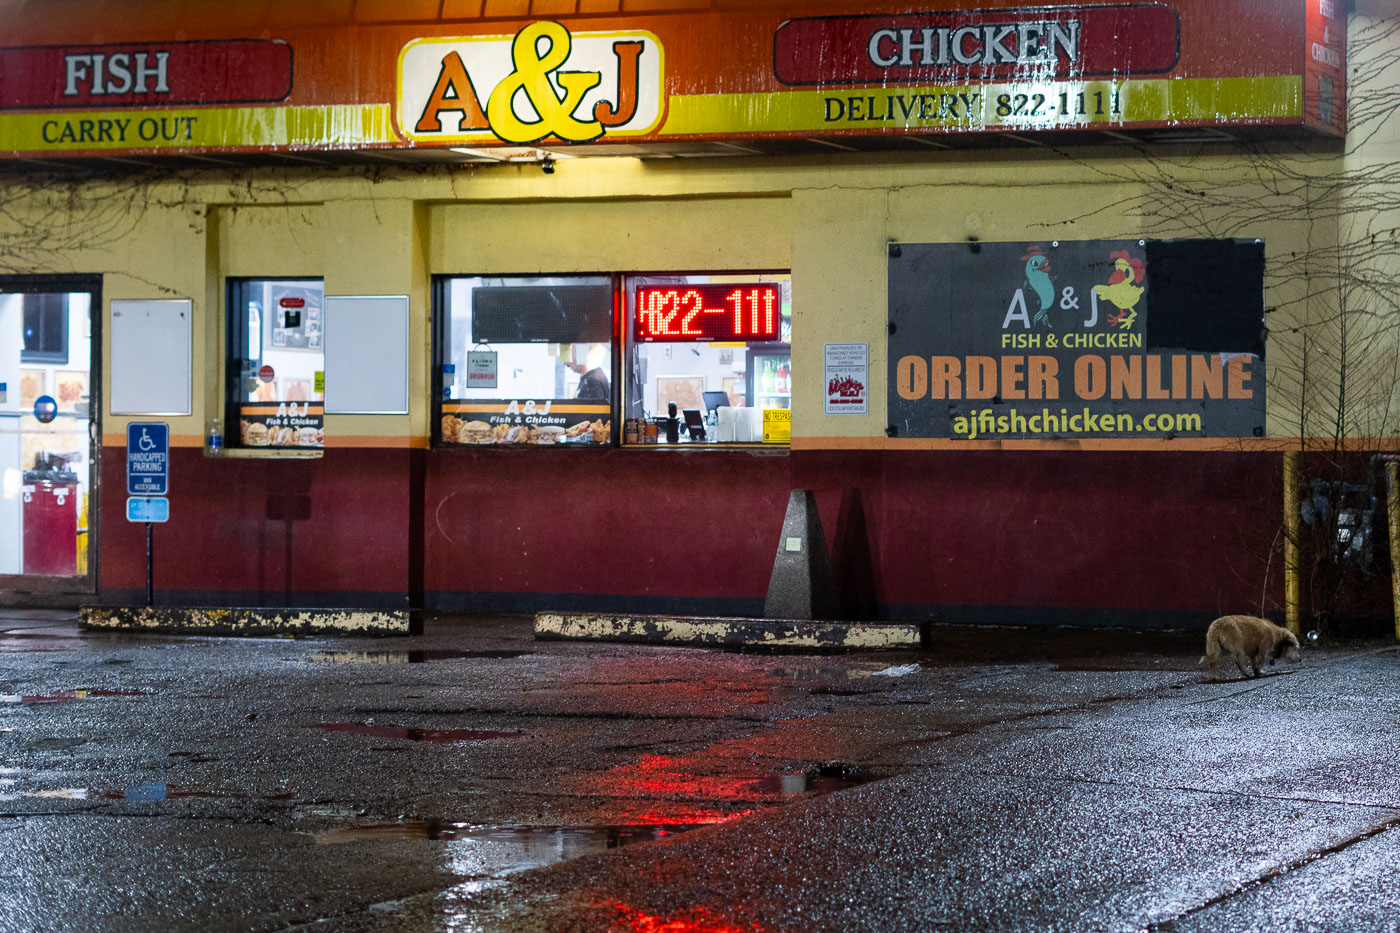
(533, 421)
(282, 424)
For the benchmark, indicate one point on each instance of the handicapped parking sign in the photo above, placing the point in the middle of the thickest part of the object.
(147, 458)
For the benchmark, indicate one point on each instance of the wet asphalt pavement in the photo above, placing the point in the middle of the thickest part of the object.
(473, 779)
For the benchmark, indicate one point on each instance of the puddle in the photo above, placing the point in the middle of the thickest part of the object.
(438, 736)
(404, 657)
(826, 779)
(67, 695)
(704, 790)
(570, 840)
(482, 855)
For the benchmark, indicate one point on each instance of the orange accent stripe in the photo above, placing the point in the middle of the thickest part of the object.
(370, 440)
(176, 440)
(354, 440)
(270, 408)
(498, 408)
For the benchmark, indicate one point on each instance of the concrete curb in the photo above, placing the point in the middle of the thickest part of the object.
(181, 621)
(700, 632)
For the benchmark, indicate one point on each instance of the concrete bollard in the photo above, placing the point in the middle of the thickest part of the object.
(801, 585)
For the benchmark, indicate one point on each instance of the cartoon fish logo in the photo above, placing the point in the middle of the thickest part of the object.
(1038, 280)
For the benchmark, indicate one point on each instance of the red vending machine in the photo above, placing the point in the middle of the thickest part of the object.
(50, 528)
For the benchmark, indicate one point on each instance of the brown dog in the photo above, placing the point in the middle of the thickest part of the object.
(1249, 640)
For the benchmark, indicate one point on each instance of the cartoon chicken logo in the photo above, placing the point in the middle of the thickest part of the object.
(1123, 290)
(1038, 279)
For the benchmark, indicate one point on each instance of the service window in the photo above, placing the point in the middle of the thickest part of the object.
(276, 363)
(709, 358)
(525, 360)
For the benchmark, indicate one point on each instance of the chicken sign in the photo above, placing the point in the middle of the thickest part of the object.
(1139, 339)
(1125, 286)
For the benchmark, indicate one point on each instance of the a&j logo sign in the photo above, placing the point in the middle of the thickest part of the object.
(542, 83)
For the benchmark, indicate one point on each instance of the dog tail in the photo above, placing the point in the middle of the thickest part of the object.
(1212, 649)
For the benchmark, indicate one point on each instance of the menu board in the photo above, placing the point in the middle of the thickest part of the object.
(542, 314)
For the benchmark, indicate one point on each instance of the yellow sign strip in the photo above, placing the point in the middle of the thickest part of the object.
(1010, 105)
(233, 127)
(1028, 105)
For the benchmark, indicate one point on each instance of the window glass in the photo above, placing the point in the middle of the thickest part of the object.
(45, 328)
(46, 416)
(718, 348)
(277, 363)
(526, 360)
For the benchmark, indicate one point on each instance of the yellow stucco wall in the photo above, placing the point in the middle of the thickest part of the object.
(828, 219)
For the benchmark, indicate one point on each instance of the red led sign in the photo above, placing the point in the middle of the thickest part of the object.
(725, 312)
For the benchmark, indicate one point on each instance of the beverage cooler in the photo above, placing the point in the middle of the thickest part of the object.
(770, 377)
(50, 527)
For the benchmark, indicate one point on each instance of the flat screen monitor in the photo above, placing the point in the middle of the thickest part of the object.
(714, 400)
(694, 423)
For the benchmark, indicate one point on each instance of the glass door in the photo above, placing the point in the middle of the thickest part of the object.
(49, 434)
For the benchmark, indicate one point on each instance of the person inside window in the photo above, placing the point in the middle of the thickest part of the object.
(594, 384)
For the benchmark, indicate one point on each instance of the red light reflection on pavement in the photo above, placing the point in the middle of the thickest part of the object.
(707, 785)
(701, 776)
(694, 817)
(694, 920)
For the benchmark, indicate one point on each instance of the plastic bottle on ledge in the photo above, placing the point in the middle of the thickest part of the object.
(216, 437)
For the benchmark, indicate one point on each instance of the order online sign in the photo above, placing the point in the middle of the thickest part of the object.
(1077, 339)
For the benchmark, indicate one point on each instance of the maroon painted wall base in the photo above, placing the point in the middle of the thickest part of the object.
(1100, 538)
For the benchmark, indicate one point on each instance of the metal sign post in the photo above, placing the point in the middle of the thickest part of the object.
(147, 482)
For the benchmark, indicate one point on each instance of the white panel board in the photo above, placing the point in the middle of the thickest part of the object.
(366, 354)
(151, 371)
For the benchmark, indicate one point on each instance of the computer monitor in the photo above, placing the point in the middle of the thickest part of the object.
(695, 425)
(714, 400)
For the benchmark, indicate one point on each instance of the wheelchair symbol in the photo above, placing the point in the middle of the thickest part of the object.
(145, 443)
